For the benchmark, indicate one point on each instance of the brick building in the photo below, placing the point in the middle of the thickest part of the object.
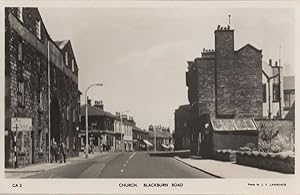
(162, 136)
(140, 139)
(183, 129)
(29, 50)
(224, 83)
(100, 126)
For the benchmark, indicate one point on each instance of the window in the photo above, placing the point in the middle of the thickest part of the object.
(287, 101)
(73, 65)
(264, 92)
(20, 50)
(20, 13)
(74, 115)
(66, 59)
(38, 29)
(38, 64)
(54, 75)
(67, 113)
(41, 100)
(94, 126)
(21, 93)
(276, 92)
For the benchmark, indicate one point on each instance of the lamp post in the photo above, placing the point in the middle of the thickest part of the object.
(86, 118)
(122, 136)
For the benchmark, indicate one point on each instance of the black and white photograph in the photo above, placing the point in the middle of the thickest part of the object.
(160, 93)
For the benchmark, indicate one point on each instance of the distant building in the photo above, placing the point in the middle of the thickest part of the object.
(29, 50)
(100, 127)
(162, 136)
(183, 117)
(289, 92)
(140, 139)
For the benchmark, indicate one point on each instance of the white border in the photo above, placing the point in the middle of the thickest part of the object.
(111, 186)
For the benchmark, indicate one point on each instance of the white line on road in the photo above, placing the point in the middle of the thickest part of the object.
(131, 156)
(124, 165)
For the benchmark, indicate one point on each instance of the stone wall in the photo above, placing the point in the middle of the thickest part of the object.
(33, 71)
(248, 96)
(206, 86)
(35, 83)
(280, 162)
(182, 127)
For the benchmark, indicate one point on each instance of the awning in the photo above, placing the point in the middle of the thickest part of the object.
(147, 142)
(165, 146)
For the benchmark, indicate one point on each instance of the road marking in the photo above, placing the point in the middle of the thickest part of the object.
(131, 156)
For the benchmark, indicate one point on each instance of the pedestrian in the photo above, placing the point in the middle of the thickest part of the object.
(51, 152)
(92, 147)
(55, 150)
(63, 152)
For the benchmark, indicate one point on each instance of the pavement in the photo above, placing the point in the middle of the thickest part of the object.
(117, 165)
(223, 169)
(33, 169)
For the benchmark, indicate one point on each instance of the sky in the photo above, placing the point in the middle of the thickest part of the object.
(140, 54)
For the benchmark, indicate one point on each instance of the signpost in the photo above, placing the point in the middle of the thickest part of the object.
(19, 124)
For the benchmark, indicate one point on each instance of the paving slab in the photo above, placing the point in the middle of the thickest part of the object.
(223, 169)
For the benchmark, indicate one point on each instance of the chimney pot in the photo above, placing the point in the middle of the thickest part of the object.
(270, 62)
(89, 101)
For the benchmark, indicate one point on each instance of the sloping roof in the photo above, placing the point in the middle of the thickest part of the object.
(249, 45)
(61, 44)
(289, 83)
(135, 128)
(233, 124)
(92, 111)
(160, 134)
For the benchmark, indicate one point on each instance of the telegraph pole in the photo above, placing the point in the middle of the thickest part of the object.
(279, 81)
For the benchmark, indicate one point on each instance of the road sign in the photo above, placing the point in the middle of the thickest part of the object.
(21, 124)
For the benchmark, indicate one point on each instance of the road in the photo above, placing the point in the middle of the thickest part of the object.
(124, 165)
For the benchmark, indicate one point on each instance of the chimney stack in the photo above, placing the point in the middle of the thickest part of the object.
(99, 105)
(89, 101)
(124, 117)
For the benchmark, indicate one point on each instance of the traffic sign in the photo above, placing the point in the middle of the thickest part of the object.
(21, 124)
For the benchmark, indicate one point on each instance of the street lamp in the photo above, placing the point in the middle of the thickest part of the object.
(122, 137)
(86, 118)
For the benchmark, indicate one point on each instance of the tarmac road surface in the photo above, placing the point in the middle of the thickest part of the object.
(124, 165)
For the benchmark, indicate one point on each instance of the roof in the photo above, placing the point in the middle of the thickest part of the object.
(61, 44)
(289, 83)
(249, 45)
(92, 111)
(160, 134)
(135, 128)
(233, 125)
